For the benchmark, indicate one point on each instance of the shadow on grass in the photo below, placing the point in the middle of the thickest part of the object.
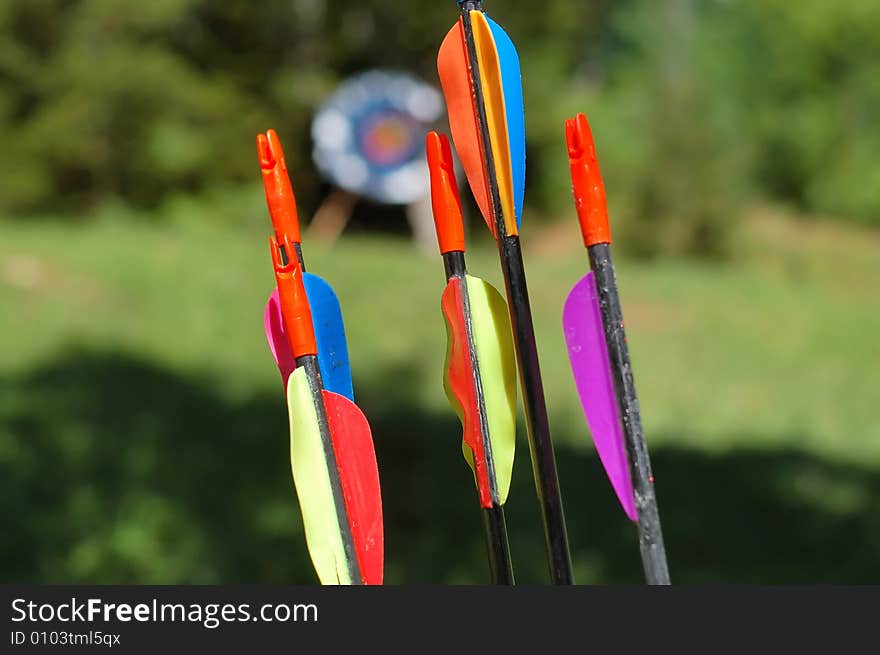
(116, 471)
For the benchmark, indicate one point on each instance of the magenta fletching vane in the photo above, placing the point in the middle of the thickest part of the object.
(588, 353)
(277, 337)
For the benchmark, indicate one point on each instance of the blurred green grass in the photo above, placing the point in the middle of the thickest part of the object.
(143, 432)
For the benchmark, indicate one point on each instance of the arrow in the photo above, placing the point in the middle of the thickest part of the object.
(593, 326)
(480, 372)
(480, 75)
(331, 449)
(326, 311)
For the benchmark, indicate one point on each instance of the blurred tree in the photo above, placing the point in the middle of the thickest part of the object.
(106, 99)
(812, 72)
(681, 187)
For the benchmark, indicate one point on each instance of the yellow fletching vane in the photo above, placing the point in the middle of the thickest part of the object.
(495, 354)
(496, 115)
(312, 481)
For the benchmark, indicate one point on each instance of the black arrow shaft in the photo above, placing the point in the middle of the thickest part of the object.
(537, 422)
(495, 527)
(535, 407)
(650, 532)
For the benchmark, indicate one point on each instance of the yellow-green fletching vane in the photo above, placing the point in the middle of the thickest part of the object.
(495, 354)
(312, 481)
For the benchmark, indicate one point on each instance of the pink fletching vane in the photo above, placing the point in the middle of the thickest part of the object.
(277, 337)
(588, 352)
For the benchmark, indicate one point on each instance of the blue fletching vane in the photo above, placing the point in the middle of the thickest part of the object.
(511, 81)
(330, 336)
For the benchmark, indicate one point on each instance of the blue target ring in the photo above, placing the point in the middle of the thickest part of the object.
(370, 136)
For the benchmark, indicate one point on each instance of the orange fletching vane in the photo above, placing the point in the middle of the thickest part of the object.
(444, 194)
(294, 302)
(359, 478)
(586, 182)
(279, 192)
(460, 382)
(455, 77)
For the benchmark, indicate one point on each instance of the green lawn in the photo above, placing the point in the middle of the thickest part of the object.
(143, 432)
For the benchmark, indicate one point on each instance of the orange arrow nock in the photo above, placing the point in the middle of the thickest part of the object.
(294, 303)
(279, 192)
(586, 181)
(444, 194)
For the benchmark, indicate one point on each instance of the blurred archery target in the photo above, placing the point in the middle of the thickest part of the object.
(369, 136)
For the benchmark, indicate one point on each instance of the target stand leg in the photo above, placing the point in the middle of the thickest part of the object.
(332, 216)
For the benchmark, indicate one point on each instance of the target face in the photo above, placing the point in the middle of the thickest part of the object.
(370, 136)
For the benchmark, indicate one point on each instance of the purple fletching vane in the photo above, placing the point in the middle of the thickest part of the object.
(591, 366)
